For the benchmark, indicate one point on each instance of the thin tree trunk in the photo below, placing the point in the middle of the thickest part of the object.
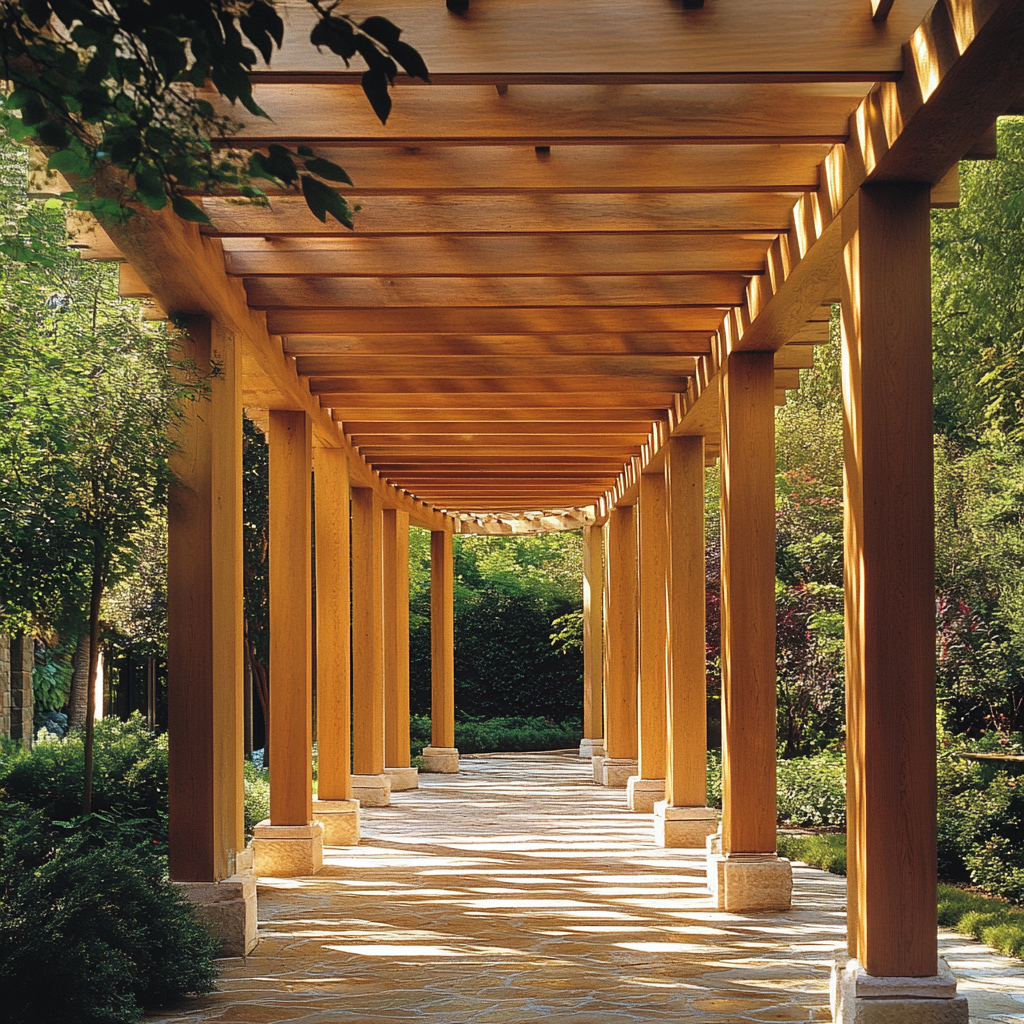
(79, 695)
(94, 658)
(262, 690)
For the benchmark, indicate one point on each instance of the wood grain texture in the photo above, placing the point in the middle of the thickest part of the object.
(291, 618)
(593, 632)
(442, 640)
(748, 603)
(367, 633)
(890, 581)
(653, 638)
(686, 758)
(396, 638)
(333, 624)
(679, 343)
(204, 620)
(620, 616)
(494, 366)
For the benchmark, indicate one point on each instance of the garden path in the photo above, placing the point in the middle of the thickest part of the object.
(519, 891)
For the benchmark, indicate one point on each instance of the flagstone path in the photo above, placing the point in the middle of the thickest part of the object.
(519, 891)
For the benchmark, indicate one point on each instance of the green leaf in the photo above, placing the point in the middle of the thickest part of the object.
(327, 169)
(67, 161)
(323, 200)
(187, 210)
(375, 85)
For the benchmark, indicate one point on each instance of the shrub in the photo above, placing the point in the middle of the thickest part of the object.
(91, 934)
(257, 797)
(491, 735)
(827, 851)
(991, 921)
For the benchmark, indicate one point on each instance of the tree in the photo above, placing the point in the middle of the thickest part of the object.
(114, 86)
(89, 393)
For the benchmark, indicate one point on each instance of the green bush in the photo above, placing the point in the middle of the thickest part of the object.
(811, 790)
(991, 921)
(491, 735)
(826, 851)
(91, 934)
(129, 779)
(257, 797)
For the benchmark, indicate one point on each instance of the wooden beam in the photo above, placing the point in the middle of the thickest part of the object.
(389, 293)
(654, 43)
(677, 343)
(620, 616)
(396, 639)
(354, 428)
(442, 640)
(540, 400)
(459, 387)
(502, 214)
(291, 618)
(505, 256)
(450, 419)
(593, 633)
(472, 367)
(526, 441)
(338, 114)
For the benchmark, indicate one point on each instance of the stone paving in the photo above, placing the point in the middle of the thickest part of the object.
(519, 891)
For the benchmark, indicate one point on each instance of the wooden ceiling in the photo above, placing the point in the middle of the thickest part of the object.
(557, 238)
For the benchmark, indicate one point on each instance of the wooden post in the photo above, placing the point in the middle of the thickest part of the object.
(396, 638)
(748, 603)
(620, 737)
(291, 618)
(890, 581)
(593, 640)
(367, 634)
(649, 785)
(442, 755)
(204, 619)
(333, 625)
(686, 760)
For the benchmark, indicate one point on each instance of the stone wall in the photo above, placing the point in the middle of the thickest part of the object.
(22, 699)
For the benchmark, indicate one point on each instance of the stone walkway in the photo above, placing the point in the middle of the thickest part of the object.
(518, 891)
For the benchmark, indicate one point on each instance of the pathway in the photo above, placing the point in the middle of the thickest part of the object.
(519, 891)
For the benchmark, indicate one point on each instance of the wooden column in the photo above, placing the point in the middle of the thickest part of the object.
(333, 625)
(367, 633)
(890, 581)
(620, 737)
(653, 683)
(748, 603)
(686, 761)
(442, 640)
(593, 629)
(204, 619)
(291, 618)
(396, 638)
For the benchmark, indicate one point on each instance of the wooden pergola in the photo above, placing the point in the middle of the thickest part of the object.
(591, 259)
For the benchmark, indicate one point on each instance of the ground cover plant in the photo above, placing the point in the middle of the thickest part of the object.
(491, 735)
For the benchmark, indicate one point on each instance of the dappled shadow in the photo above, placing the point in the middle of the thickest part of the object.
(517, 890)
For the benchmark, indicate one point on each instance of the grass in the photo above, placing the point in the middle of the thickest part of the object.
(993, 921)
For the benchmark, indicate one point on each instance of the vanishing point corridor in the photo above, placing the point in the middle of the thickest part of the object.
(519, 891)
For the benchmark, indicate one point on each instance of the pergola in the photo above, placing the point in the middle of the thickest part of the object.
(591, 258)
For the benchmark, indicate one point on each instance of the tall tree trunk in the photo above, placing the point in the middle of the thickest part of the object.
(94, 658)
(79, 696)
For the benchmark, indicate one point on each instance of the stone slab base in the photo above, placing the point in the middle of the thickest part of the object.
(372, 790)
(757, 881)
(230, 907)
(685, 828)
(592, 748)
(615, 771)
(403, 778)
(441, 760)
(643, 794)
(597, 763)
(340, 821)
(859, 998)
(288, 851)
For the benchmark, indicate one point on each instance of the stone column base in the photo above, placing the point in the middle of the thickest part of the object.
(615, 771)
(592, 748)
(288, 851)
(684, 828)
(643, 794)
(750, 881)
(859, 998)
(340, 821)
(229, 905)
(597, 763)
(441, 760)
(372, 790)
(403, 778)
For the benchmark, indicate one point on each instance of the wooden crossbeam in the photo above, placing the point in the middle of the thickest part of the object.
(689, 343)
(508, 256)
(539, 399)
(497, 426)
(458, 367)
(514, 41)
(338, 114)
(499, 214)
(454, 389)
(527, 441)
(442, 418)
(427, 292)
(503, 170)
